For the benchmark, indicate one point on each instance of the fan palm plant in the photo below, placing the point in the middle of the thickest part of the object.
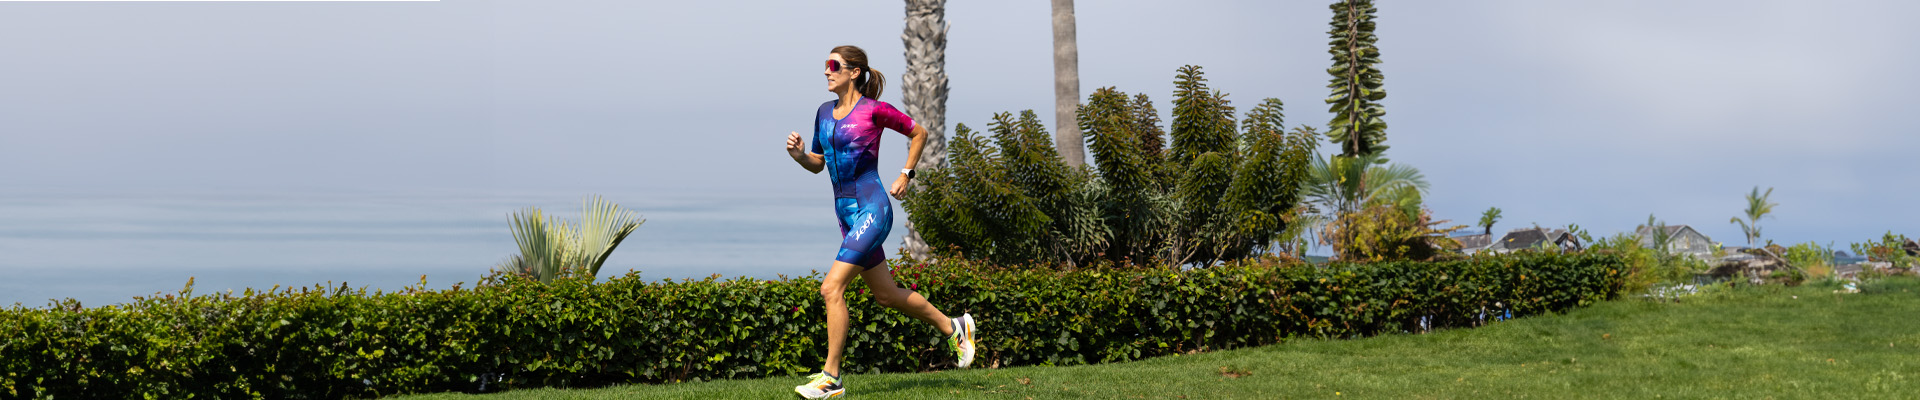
(1339, 186)
(1342, 184)
(551, 247)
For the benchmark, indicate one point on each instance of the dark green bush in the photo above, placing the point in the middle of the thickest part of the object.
(334, 343)
(1213, 195)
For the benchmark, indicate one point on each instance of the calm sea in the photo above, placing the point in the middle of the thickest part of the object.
(104, 249)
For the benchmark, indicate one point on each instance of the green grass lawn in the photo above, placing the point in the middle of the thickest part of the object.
(1740, 343)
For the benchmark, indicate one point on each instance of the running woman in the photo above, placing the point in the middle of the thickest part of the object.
(846, 143)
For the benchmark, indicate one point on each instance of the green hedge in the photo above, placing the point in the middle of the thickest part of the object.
(333, 342)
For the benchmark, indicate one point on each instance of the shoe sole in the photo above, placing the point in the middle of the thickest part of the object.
(827, 395)
(966, 334)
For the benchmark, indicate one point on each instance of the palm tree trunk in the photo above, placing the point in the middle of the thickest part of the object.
(1066, 86)
(925, 93)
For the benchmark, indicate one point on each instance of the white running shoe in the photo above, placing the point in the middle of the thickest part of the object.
(961, 341)
(823, 386)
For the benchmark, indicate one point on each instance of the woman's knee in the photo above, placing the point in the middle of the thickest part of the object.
(833, 293)
(892, 298)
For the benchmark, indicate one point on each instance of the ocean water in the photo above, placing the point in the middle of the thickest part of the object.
(107, 248)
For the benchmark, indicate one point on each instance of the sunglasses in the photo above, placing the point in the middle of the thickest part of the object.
(834, 66)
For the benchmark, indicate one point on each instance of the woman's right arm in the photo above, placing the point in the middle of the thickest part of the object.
(796, 148)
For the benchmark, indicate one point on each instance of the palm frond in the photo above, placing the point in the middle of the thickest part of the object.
(1392, 178)
(551, 247)
(603, 225)
(531, 233)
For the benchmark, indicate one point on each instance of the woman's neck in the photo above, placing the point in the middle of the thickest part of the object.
(848, 97)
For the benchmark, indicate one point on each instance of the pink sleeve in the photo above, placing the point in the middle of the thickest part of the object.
(888, 117)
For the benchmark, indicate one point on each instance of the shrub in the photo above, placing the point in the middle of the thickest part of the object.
(1389, 233)
(1213, 195)
(1811, 257)
(1009, 201)
(325, 342)
(1647, 266)
(1888, 249)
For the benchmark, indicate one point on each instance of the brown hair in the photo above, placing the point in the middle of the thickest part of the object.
(870, 83)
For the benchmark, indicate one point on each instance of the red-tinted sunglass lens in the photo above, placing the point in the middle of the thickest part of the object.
(833, 66)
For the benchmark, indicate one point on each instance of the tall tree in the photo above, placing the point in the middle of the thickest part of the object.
(1757, 207)
(1134, 197)
(925, 94)
(1066, 86)
(1356, 81)
(1357, 124)
(1203, 156)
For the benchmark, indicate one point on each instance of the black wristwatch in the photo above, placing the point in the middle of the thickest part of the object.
(908, 172)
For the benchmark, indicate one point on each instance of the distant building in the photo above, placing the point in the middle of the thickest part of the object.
(1536, 237)
(1475, 243)
(1684, 240)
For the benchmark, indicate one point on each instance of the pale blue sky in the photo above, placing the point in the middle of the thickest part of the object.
(1591, 112)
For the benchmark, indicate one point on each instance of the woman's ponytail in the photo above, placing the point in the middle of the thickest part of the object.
(870, 83)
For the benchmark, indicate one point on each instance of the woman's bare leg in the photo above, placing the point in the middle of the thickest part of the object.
(885, 291)
(833, 291)
(889, 293)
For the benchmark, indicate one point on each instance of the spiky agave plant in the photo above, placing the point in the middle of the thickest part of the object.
(551, 247)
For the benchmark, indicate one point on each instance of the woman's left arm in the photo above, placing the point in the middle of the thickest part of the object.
(919, 138)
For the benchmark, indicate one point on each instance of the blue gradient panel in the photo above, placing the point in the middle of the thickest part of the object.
(851, 149)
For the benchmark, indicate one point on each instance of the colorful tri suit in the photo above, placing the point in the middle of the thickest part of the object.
(851, 147)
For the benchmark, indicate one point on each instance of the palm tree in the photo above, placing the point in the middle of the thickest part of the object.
(925, 93)
(551, 248)
(1066, 86)
(1339, 186)
(1488, 218)
(1757, 208)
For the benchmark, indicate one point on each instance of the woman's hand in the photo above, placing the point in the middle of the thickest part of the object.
(899, 187)
(795, 147)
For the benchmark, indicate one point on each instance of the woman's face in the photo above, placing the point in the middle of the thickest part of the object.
(842, 80)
